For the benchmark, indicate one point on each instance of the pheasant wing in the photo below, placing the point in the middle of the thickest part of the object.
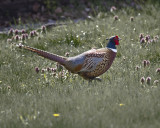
(91, 61)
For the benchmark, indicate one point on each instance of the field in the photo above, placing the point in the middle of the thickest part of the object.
(50, 98)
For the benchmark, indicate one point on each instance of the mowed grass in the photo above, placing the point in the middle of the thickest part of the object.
(29, 99)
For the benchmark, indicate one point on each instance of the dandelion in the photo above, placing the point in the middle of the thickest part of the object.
(148, 80)
(142, 80)
(115, 18)
(37, 69)
(158, 70)
(56, 115)
(131, 19)
(121, 104)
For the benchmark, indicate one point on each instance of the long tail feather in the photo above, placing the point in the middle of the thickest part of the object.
(54, 57)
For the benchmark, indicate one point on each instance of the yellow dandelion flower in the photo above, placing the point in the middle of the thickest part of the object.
(121, 104)
(56, 115)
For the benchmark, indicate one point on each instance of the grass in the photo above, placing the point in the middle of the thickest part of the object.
(29, 99)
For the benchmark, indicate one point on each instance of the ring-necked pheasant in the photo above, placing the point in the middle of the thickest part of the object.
(89, 64)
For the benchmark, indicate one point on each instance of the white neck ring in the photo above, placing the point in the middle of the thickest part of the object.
(114, 50)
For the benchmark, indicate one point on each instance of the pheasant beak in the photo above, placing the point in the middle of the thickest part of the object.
(119, 38)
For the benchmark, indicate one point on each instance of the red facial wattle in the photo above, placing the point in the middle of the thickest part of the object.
(116, 40)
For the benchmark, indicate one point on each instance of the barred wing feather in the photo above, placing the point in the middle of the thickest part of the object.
(91, 61)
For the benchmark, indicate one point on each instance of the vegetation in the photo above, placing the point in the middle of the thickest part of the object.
(36, 92)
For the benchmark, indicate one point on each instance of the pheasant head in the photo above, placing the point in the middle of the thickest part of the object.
(113, 41)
